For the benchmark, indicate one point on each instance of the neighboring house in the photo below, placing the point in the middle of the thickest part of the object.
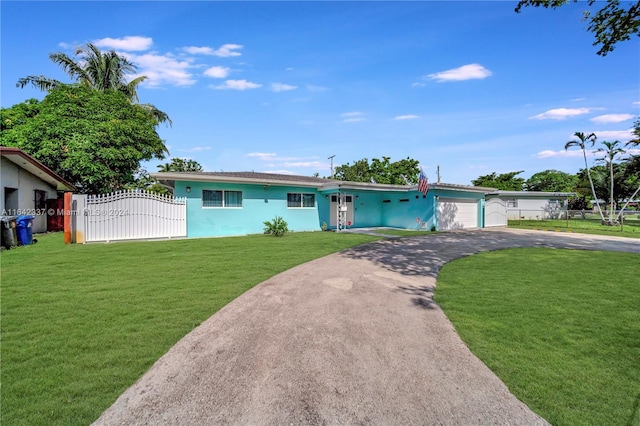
(27, 186)
(237, 203)
(530, 205)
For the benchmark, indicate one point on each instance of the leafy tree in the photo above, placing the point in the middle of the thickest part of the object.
(578, 202)
(636, 132)
(95, 140)
(503, 182)
(551, 180)
(180, 165)
(98, 70)
(403, 172)
(610, 153)
(581, 142)
(611, 24)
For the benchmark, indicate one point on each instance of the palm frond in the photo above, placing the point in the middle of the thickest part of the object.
(39, 82)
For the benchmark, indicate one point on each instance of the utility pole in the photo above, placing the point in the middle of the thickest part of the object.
(438, 172)
(331, 158)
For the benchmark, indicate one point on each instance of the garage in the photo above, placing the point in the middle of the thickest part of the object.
(457, 213)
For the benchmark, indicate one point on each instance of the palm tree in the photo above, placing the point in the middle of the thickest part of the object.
(180, 165)
(610, 152)
(101, 71)
(581, 142)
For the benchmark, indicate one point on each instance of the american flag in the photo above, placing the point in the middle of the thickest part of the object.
(423, 183)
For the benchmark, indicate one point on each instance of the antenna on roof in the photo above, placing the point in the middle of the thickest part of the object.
(438, 174)
(331, 158)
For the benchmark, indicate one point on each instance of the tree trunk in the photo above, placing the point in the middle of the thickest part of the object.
(593, 189)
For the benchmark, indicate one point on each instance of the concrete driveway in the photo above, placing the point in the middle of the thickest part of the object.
(351, 338)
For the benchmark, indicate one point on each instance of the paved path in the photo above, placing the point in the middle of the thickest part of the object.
(351, 338)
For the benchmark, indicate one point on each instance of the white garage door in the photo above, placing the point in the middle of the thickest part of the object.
(455, 213)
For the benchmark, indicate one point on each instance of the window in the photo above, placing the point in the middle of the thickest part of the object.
(40, 200)
(512, 203)
(295, 200)
(221, 198)
(403, 200)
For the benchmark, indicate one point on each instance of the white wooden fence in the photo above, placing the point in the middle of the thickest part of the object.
(128, 215)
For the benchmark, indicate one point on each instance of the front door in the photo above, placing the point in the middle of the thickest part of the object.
(340, 202)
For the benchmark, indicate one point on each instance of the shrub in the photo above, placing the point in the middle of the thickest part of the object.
(277, 227)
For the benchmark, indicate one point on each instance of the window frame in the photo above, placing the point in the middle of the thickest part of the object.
(223, 199)
(301, 195)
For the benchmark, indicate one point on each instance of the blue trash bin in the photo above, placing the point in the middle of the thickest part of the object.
(24, 229)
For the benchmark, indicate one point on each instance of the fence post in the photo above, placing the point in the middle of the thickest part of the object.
(67, 217)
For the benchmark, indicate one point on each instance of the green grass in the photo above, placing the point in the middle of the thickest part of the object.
(630, 228)
(81, 323)
(561, 328)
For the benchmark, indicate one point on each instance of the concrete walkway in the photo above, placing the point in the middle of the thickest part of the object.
(351, 338)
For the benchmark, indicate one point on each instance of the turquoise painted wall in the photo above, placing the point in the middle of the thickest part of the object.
(258, 205)
(404, 209)
(408, 210)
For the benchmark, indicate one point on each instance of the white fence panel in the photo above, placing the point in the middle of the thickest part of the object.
(495, 213)
(133, 215)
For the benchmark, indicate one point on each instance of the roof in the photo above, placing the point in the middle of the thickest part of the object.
(33, 166)
(532, 194)
(321, 184)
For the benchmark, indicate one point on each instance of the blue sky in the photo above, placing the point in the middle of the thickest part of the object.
(471, 87)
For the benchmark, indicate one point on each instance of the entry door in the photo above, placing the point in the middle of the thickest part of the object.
(346, 200)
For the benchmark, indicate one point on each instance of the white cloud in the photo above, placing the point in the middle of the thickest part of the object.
(262, 155)
(636, 103)
(318, 164)
(196, 149)
(314, 88)
(612, 118)
(465, 72)
(224, 51)
(352, 117)
(217, 72)
(128, 43)
(614, 135)
(280, 172)
(561, 113)
(162, 69)
(418, 84)
(406, 117)
(559, 154)
(237, 85)
(282, 87)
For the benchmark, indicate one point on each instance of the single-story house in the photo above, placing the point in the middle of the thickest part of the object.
(237, 203)
(531, 205)
(29, 187)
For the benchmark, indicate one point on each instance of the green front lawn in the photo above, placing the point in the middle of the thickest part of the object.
(630, 228)
(81, 323)
(560, 327)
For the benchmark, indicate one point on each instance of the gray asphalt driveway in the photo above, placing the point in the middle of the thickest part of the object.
(351, 338)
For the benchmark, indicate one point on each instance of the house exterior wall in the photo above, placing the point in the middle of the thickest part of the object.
(372, 208)
(409, 210)
(26, 183)
(259, 204)
(530, 209)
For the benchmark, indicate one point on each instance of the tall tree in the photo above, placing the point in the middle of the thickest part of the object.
(551, 180)
(611, 152)
(581, 142)
(635, 141)
(402, 172)
(95, 140)
(503, 182)
(611, 24)
(101, 71)
(180, 165)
